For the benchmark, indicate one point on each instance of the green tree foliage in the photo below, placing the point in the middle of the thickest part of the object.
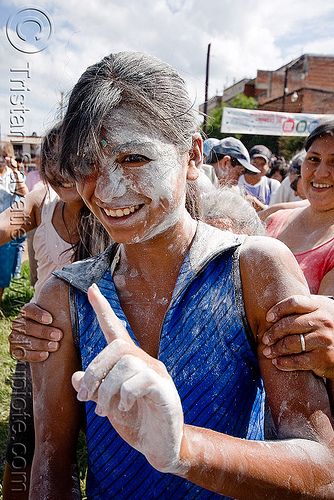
(249, 140)
(213, 123)
(214, 120)
(244, 102)
(289, 146)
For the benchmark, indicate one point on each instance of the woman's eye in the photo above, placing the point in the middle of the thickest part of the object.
(135, 159)
(313, 159)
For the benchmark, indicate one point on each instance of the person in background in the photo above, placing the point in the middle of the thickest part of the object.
(229, 160)
(12, 185)
(278, 169)
(257, 187)
(33, 181)
(309, 230)
(20, 241)
(297, 186)
(20, 164)
(226, 208)
(207, 169)
(64, 231)
(286, 196)
(285, 193)
(208, 144)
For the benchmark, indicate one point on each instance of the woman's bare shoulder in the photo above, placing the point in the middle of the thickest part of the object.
(256, 248)
(54, 297)
(269, 273)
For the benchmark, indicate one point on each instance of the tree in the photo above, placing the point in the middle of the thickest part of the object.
(244, 102)
(289, 146)
(214, 120)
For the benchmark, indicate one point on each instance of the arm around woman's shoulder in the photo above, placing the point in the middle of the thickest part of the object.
(57, 412)
(264, 214)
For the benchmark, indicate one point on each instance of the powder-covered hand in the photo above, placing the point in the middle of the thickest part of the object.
(134, 391)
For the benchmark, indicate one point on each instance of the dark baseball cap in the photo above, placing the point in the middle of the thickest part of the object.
(260, 151)
(208, 144)
(230, 146)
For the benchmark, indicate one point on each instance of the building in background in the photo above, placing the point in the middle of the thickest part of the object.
(304, 85)
(25, 146)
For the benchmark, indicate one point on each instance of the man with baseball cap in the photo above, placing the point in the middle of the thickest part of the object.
(229, 159)
(257, 187)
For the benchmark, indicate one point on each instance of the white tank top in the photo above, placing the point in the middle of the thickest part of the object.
(51, 251)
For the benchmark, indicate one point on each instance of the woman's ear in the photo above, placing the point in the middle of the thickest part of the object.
(195, 158)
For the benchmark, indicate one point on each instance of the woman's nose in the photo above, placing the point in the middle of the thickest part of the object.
(323, 168)
(110, 183)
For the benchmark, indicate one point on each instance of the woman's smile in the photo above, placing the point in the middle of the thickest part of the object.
(318, 173)
(121, 212)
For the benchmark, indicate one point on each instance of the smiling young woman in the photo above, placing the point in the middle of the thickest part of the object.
(174, 379)
(309, 231)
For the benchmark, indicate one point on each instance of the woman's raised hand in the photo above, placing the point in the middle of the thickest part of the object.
(134, 391)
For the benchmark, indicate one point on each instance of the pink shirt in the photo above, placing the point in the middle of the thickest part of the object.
(33, 180)
(314, 263)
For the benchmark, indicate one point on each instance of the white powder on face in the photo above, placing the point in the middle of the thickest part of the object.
(112, 184)
(158, 184)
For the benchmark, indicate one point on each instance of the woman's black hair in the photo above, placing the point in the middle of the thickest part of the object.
(50, 153)
(326, 128)
(279, 165)
(93, 237)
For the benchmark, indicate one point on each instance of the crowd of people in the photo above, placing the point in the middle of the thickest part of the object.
(188, 330)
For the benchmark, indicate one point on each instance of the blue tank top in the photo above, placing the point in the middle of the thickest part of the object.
(209, 351)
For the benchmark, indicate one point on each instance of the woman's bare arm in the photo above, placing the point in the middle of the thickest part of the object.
(264, 214)
(327, 284)
(21, 217)
(57, 412)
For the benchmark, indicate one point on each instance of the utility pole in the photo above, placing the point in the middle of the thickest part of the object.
(61, 104)
(285, 90)
(206, 87)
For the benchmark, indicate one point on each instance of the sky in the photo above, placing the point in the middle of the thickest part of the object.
(45, 46)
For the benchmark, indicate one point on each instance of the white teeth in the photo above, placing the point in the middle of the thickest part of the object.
(120, 212)
(67, 185)
(320, 185)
